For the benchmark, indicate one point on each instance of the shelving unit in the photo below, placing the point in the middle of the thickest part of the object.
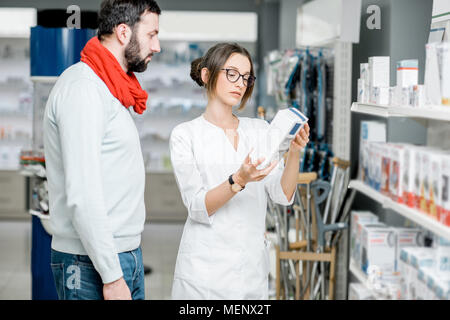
(428, 112)
(409, 213)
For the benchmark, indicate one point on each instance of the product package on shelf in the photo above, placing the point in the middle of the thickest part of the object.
(406, 237)
(385, 150)
(396, 170)
(358, 219)
(358, 291)
(445, 65)
(378, 250)
(407, 72)
(375, 156)
(443, 258)
(379, 71)
(359, 238)
(444, 205)
(411, 258)
(370, 131)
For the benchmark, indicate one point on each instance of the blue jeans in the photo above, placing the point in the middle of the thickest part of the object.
(76, 278)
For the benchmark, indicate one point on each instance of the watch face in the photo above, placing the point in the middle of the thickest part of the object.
(235, 187)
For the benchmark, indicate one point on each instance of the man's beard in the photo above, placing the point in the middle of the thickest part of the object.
(132, 55)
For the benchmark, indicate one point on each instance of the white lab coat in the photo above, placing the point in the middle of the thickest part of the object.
(223, 256)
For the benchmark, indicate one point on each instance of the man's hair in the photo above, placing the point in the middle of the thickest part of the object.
(114, 12)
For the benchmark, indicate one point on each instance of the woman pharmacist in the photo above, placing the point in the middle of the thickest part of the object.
(223, 252)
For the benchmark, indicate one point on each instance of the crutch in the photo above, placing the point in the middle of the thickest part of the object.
(306, 179)
(323, 229)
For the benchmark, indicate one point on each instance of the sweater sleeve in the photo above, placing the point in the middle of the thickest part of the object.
(187, 175)
(82, 118)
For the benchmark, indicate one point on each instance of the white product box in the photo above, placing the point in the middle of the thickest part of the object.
(392, 100)
(358, 291)
(364, 72)
(376, 152)
(381, 95)
(362, 93)
(435, 184)
(406, 237)
(359, 239)
(423, 291)
(378, 249)
(407, 72)
(385, 168)
(359, 218)
(442, 258)
(370, 131)
(418, 96)
(420, 258)
(432, 283)
(441, 289)
(423, 180)
(396, 169)
(444, 206)
(283, 128)
(445, 73)
(403, 96)
(410, 174)
(379, 71)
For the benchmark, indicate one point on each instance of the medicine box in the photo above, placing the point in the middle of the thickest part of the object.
(442, 258)
(379, 71)
(358, 291)
(407, 72)
(283, 128)
(378, 249)
(406, 237)
(444, 210)
(396, 169)
(371, 131)
(358, 219)
(425, 257)
(375, 161)
(435, 185)
(424, 188)
(385, 168)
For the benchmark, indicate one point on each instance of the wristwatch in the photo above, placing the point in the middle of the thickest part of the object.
(235, 187)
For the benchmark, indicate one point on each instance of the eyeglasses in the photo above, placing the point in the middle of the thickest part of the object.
(233, 76)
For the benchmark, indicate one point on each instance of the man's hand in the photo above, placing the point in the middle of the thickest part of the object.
(116, 290)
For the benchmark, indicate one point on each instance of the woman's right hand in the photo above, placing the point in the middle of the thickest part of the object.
(248, 171)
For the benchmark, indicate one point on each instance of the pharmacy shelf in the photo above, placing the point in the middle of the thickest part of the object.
(409, 213)
(429, 112)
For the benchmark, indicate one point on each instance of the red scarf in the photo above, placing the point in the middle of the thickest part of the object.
(124, 86)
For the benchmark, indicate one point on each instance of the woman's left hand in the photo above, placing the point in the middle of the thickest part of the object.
(301, 139)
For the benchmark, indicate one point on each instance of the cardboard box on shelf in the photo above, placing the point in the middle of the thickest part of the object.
(442, 257)
(371, 131)
(358, 291)
(396, 170)
(435, 185)
(378, 249)
(358, 219)
(424, 257)
(407, 72)
(385, 168)
(444, 210)
(379, 71)
(406, 237)
(376, 163)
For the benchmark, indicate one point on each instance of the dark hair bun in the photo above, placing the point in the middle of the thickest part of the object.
(196, 71)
